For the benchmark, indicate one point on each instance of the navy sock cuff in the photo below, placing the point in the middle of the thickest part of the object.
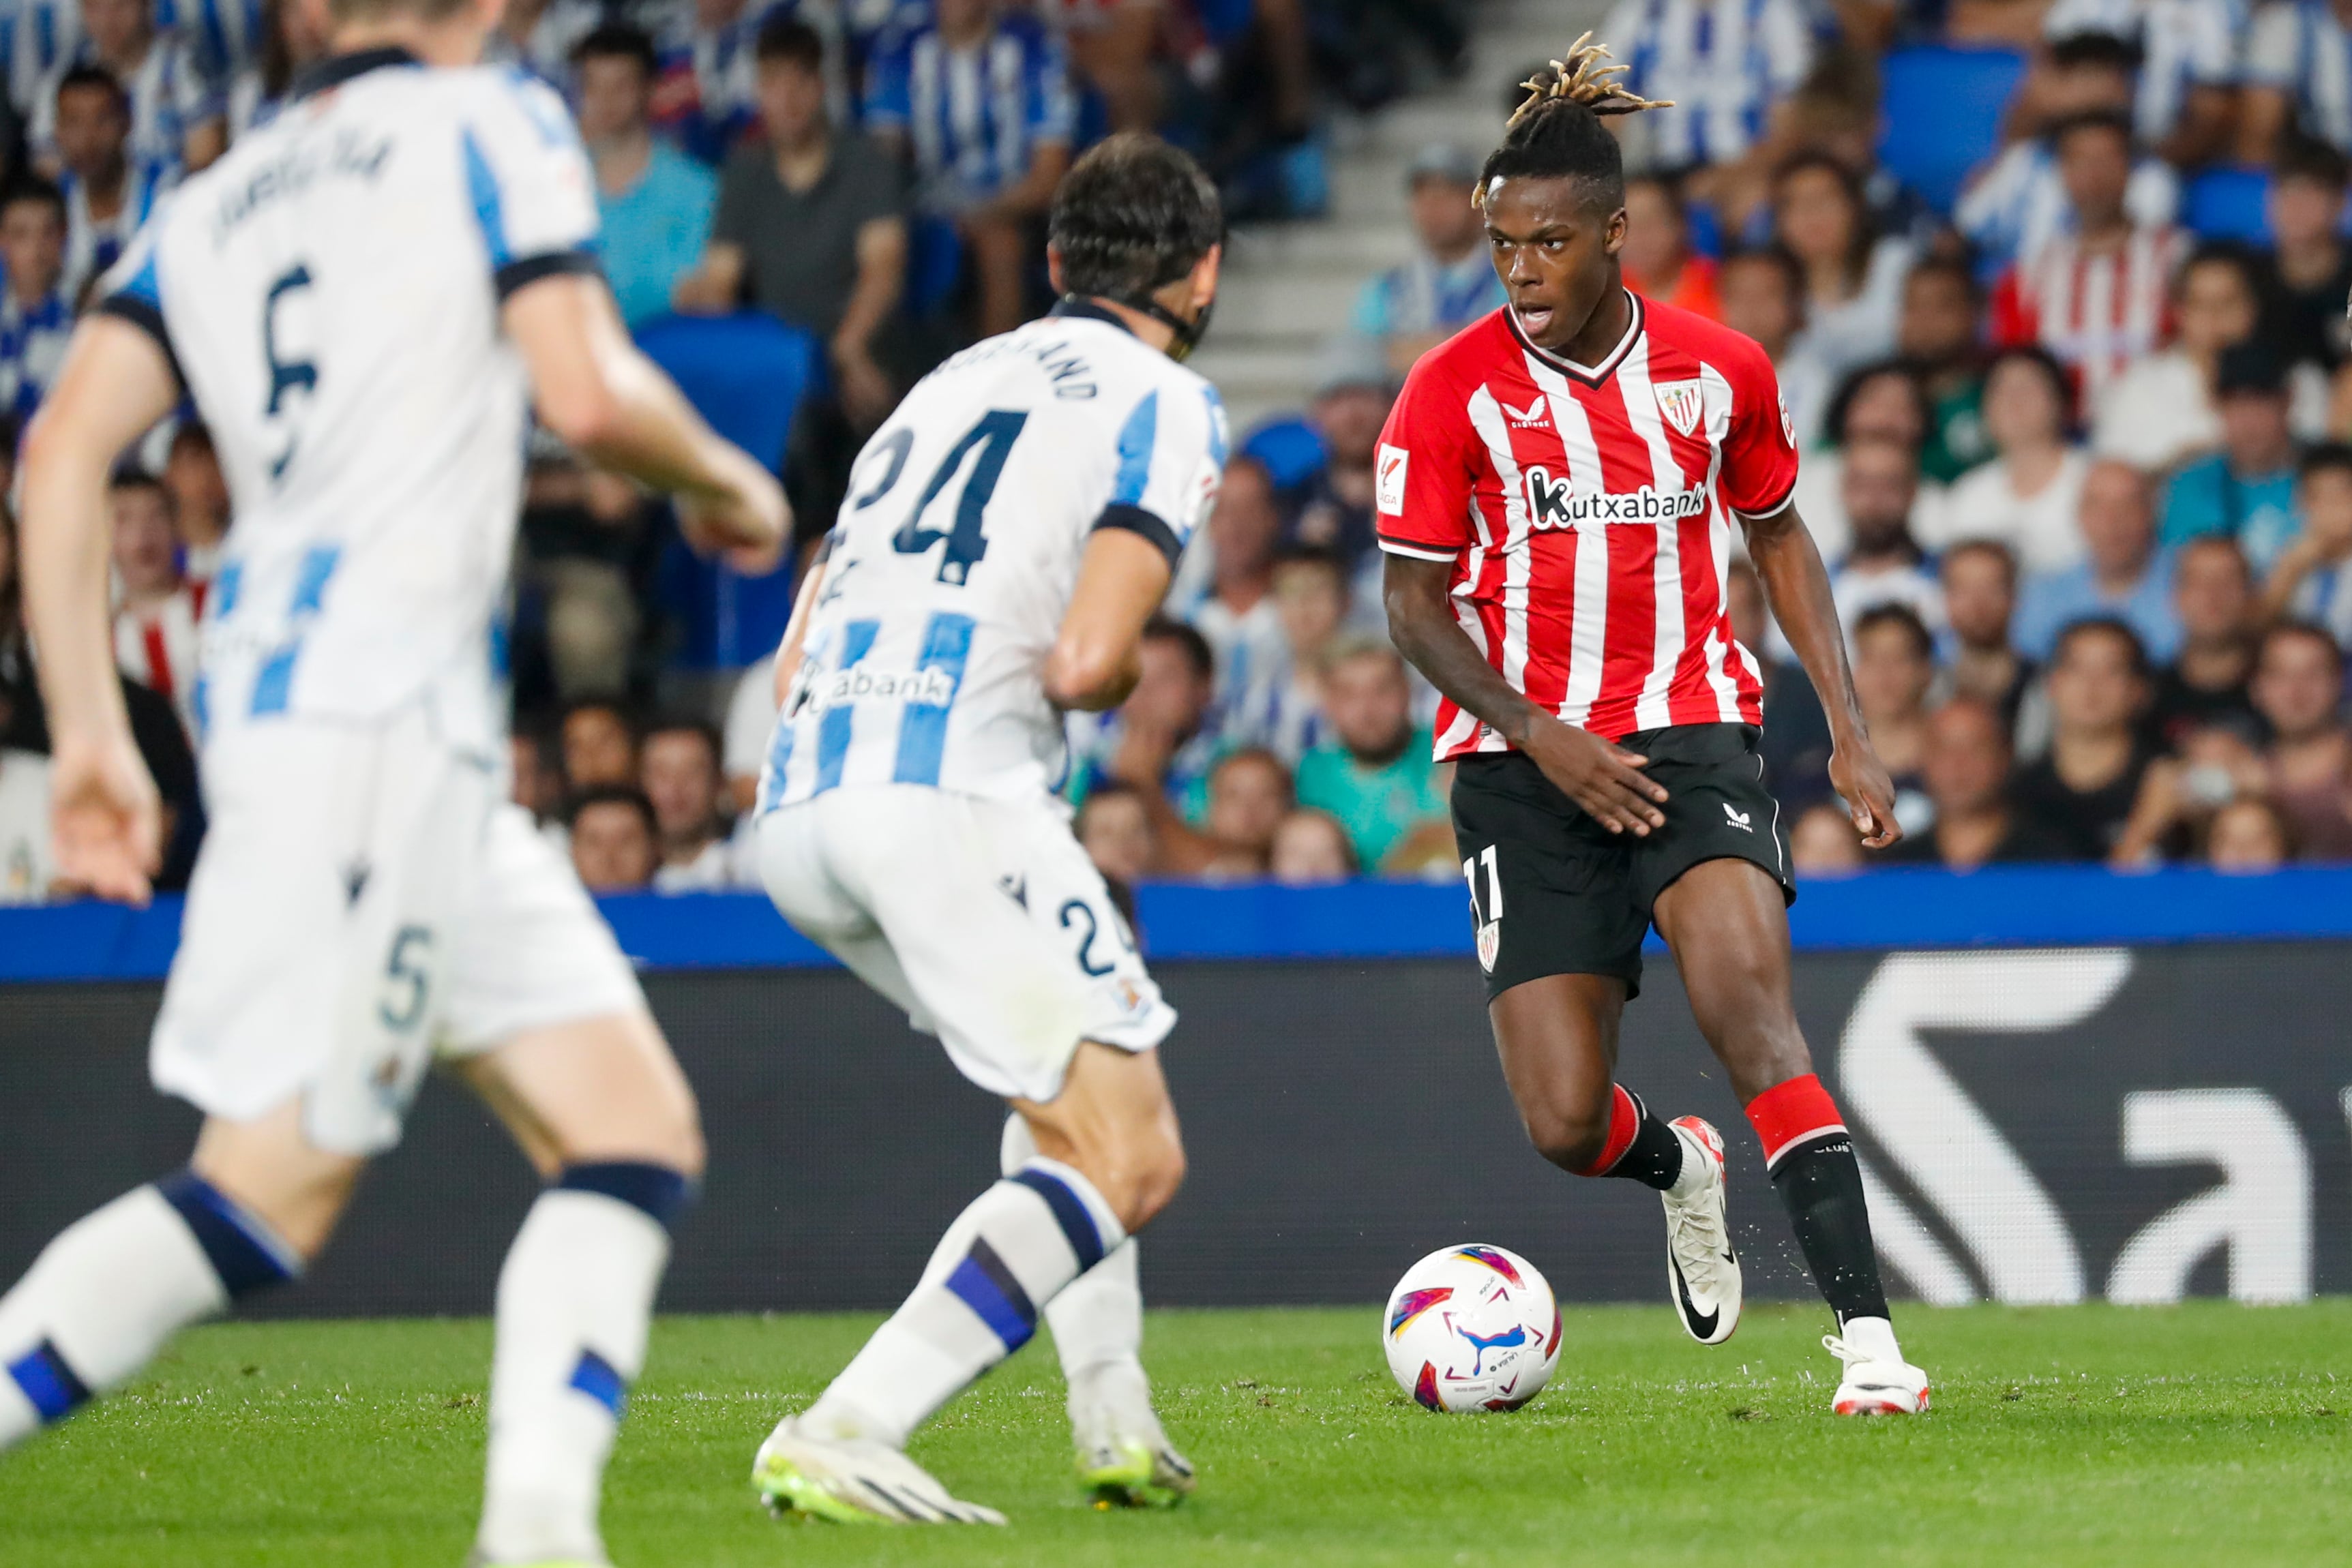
(660, 1193)
(243, 1252)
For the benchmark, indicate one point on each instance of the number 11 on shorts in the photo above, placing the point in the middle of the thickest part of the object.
(1488, 918)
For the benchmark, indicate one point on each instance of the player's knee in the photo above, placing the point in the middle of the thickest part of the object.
(1138, 1174)
(1569, 1137)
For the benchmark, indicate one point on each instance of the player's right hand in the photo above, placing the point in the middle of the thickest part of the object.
(1606, 779)
(748, 528)
(106, 818)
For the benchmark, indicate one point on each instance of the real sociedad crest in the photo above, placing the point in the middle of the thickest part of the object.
(1682, 404)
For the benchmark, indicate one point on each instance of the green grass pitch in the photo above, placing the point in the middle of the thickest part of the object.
(2199, 1434)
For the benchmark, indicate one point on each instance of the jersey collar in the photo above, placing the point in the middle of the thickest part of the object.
(1086, 309)
(337, 69)
(1593, 375)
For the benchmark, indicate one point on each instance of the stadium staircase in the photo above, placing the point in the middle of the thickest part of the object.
(1289, 287)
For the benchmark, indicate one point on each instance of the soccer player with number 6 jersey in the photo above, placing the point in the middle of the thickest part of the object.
(1556, 494)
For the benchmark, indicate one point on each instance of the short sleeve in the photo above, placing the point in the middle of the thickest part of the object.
(1172, 459)
(731, 219)
(2274, 42)
(1759, 452)
(1422, 472)
(880, 187)
(1788, 40)
(534, 197)
(133, 290)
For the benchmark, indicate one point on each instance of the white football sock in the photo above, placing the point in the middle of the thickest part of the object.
(1098, 1323)
(1873, 1337)
(101, 1299)
(1020, 1244)
(575, 1301)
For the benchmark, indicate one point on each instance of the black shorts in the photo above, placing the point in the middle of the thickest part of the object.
(1552, 892)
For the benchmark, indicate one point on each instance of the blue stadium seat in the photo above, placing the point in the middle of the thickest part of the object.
(1291, 449)
(1942, 114)
(2229, 203)
(747, 374)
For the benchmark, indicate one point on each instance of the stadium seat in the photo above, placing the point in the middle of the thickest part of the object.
(2229, 203)
(747, 374)
(1942, 113)
(1291, 449)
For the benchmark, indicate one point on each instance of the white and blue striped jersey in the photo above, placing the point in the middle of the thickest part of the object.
(36, 37)
(2183, 45)
(169, 98)
(958, 549)
(2303, 48)
(94, 246)
(330, 294)
(974, 117)
(224, 37)
(1723, 63)
(2018, 203)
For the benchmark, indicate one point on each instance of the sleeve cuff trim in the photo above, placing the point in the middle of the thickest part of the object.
(1153, 528)
(1418, 551)
(143, 315)
(521, 274)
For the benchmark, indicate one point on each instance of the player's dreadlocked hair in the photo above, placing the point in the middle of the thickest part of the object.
(1556, 131)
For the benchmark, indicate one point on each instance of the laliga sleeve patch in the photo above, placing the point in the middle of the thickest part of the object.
(1390, 480)
(1787, 425)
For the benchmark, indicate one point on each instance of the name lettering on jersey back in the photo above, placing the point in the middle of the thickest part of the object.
(1066, 368)
(353, 154)
(918, 688)
(1554, 503)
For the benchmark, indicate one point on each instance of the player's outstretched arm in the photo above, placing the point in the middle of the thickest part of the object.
(1605, 779)
(1096, 657)
(1797, 587)
(614, 407)
(114, 386)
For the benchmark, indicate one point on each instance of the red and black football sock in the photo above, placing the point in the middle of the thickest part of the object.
(1640, 1146)
(1811, 1158)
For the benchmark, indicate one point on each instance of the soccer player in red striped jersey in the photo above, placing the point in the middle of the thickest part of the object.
(1557, 491)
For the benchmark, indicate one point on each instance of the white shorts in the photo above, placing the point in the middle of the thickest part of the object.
(366, 896)
(982, 918)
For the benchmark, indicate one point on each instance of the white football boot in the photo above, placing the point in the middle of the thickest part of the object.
(1702, 1270)
(853, 1480)
(1124, 1456)
(1877, 1381)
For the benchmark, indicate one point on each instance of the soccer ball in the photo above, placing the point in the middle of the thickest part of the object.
(1472, 1328)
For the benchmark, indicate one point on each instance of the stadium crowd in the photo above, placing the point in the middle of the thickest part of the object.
(2075, 452)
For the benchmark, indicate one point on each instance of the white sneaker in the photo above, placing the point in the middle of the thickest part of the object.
(1702, 1270)
(1877, 1381)
(853, 1481)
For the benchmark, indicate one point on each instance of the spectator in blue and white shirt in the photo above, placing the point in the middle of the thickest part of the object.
(224, 37)
(107, 195)
(707, 91)
(538, 37)
(979, 103)
(2298, 72)
(2188, 68)
(1723, 63)
(1449, 283)
(2018, 203)
(34, 319)
(37, 37)
(177, 121)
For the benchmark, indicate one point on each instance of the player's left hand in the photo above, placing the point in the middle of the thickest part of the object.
(106, 819)
(1863, 783)
(748, 529)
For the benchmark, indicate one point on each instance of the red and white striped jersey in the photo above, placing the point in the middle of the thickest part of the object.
(2097, 312)
(1587, 511)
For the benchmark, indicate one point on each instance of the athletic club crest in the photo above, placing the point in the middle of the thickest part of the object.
(1490, 945)
(1682, 404)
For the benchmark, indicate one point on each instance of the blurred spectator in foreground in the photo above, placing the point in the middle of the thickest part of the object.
(107, 196)
(1158, 741)
(156, 610)
(1249, 796)
(1311, 847)
(2296, 77)
(1374, 775)
(2204, 686)
(2163, 408)
(1352, 398)
(35, 318)
(1882, 401)
(1893, 665)
(2123, 574)
(1854, 278)
(1937, 334)
(2094, 295)
(177, 121)
(2083, 792)
(811, 224)
(2246, 490)
(1239, 617)
(1980, 582)
(1658, 260)
(199, 493)
(2181, 794)
(1823, 843)
(28, 867)
(599, 747)
(2299, 688)
(2248, 837)
(977, 103)
(585, 537)
(2310, 263)
(1721, 63)
(292, 37)
(535, 781)
(1450, 282)
(2188, 54)
(613, 845)
(1115, 830)
(653, 200)
(1965, 767)
(1762, 292)
(679, 771)
(2028, 495)
(2309, 579)
(1885, 564)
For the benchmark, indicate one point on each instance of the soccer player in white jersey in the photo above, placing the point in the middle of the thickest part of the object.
(1007, 534)
(362, 299)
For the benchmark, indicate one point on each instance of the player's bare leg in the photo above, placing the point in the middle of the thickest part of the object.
(1728, 924)
(1110, 1158)
(1557, 1036)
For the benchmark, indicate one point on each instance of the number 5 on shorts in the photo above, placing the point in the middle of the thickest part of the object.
(407, 979)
